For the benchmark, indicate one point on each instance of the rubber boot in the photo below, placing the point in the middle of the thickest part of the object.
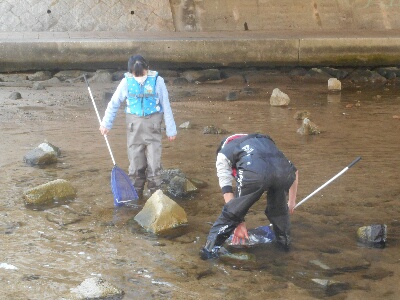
(209, 251)
(282, 238)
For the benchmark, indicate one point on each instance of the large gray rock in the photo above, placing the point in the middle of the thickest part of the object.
(44, 154)
(94, 289)
(47, 193)
(279, 98)
(161, 213)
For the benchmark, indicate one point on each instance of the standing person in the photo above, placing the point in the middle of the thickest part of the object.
(258, 166)
(147, 103)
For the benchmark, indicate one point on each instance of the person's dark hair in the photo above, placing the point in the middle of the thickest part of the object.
(137, 64)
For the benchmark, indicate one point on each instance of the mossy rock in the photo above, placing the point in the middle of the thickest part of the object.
(47, 193)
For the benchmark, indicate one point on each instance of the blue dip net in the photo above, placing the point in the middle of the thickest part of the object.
(122, 187)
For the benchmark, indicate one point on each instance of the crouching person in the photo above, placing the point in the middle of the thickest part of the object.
(257, 166)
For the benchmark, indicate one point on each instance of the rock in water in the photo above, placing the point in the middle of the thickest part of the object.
(373, 235)
(94, 288)
(279, 98)
(308, 128)
(161, 213)
(334, 84)
(58, 189)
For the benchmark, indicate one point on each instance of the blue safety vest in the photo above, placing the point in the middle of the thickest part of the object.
(142, 99)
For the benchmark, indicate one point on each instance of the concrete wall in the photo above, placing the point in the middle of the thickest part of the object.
(198, 15)
(318, 15)
(85, 15)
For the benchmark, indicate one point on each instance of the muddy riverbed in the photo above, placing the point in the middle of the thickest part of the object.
(50, 251)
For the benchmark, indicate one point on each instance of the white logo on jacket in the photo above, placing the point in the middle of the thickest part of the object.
(247, 149)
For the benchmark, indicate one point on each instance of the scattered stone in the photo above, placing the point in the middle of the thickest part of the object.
(389, 72)
(202, 75)
(232, 96)
(180, 81)
(334, 85)
(332, 287)
(301, 114)
(161, 213)
(47, 193)
(366, 76)
(40, 76)
(186, 125)
(213, 130)
(278, 98)
(101, 76)
(168, 174)
(44, 154)
(94, 289)
(318, 75)
(308, 128)
(298, 72)
(336, 73)
(68, 74)
(181, 187)
(373, 235)
(38, 86)
(15, 96)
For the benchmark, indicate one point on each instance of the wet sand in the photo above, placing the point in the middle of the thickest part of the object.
(57, 248)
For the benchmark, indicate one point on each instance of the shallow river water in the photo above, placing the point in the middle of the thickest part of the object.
(45, 253)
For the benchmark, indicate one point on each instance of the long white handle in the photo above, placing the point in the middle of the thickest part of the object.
(328, 182)
(98, 117)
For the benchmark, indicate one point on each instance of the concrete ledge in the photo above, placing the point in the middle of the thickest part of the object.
(96, 50)
(374, 51)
